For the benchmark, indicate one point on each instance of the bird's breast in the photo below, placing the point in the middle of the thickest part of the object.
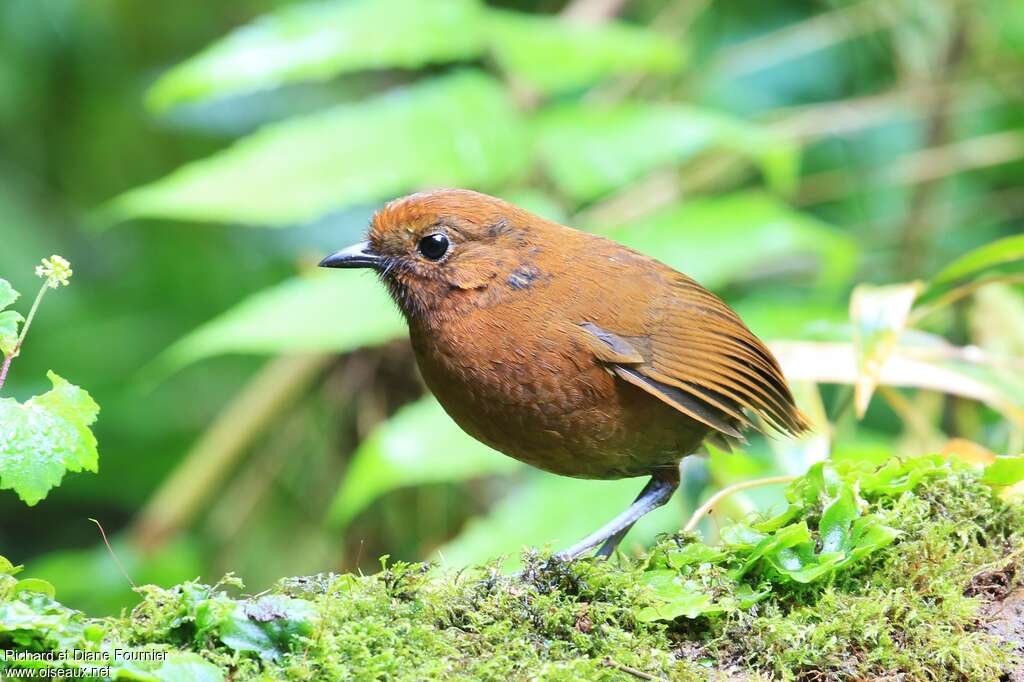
(524, 384)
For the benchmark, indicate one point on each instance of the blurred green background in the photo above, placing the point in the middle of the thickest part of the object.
(194, 160)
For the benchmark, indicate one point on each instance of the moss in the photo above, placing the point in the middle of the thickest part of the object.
(909, 611)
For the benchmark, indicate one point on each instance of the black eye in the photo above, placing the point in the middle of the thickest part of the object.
(433, 246)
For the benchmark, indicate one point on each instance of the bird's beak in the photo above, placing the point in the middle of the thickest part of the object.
(356, 256)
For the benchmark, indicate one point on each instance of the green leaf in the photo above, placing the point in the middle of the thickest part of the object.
(185, 666)
(35, 585)
(7, 294)
(45, 437)
(419, 444)
(879, 315)
(269, 626)
(328, 311)
(551, 54)
(694, 553)
(317, 41)
(1006, 470)
(699, 237)
(677, 597)
(9, 322)
(9, 319)
(589, 151)
(458, 130)
(6, 567)
(982, 260)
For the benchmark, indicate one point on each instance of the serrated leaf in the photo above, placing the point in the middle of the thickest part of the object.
(9, 328)
(316, 41)
(9, 319)
(419, 444)
(589, 151)
(699, 237)
(552, 54)
(1006, 470)
(328, 311)
(7, 294)
(45, 437)
(458, 130)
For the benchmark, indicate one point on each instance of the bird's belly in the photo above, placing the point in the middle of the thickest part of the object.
(563, 414)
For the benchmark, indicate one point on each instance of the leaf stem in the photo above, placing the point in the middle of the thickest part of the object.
(706, 508)
(21, 337)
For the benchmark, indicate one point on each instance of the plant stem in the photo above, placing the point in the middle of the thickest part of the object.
(706, 508)
(21, 337)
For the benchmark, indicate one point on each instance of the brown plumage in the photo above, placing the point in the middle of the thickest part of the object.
(566, 350)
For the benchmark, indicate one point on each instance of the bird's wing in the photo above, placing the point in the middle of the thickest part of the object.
(697, 356)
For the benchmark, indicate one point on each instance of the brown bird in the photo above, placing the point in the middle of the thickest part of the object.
(566, 350)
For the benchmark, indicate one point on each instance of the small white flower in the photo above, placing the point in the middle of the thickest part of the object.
(55, 270)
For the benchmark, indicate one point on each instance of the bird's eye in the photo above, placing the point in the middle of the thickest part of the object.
(433, 246)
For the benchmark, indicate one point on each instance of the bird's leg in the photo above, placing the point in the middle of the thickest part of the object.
(656, 493)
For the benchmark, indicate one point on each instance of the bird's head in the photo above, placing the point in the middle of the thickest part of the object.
(437, 251)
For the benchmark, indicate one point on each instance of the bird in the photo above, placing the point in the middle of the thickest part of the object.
(567, 350)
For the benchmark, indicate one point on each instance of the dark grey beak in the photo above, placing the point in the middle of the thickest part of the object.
(356, 256)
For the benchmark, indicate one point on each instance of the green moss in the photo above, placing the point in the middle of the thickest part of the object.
(904, 609)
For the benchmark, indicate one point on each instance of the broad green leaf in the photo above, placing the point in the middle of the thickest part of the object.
(9, 319)
(694, 553)
(879, 316)
(419, 444)
(836, 520)
(460, 130)
(700, 238)
(185, 666)
(551, 54)
(269, 626)
(677, 597)
(784, 538)
(897, 475)
(589, 151)
(317, 41)
(35, 585)
(553, 511)
(6, 567)
(1006, 470)
(7, 294)
(1001, 257)
(326, 311)
(45, 437)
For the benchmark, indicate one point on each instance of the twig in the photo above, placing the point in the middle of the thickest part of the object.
(632, 671)
(110, 550)
(706, 508)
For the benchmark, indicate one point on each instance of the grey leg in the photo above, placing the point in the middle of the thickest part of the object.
(656, 493)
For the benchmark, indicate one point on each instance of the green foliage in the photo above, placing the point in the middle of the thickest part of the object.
(695, 236)
(458, 130)
(9, 319)
(316, 41)
(315, 313)
(45, 437)
(555, 55)
(418, 445)
(901, 608)
(589, 151)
